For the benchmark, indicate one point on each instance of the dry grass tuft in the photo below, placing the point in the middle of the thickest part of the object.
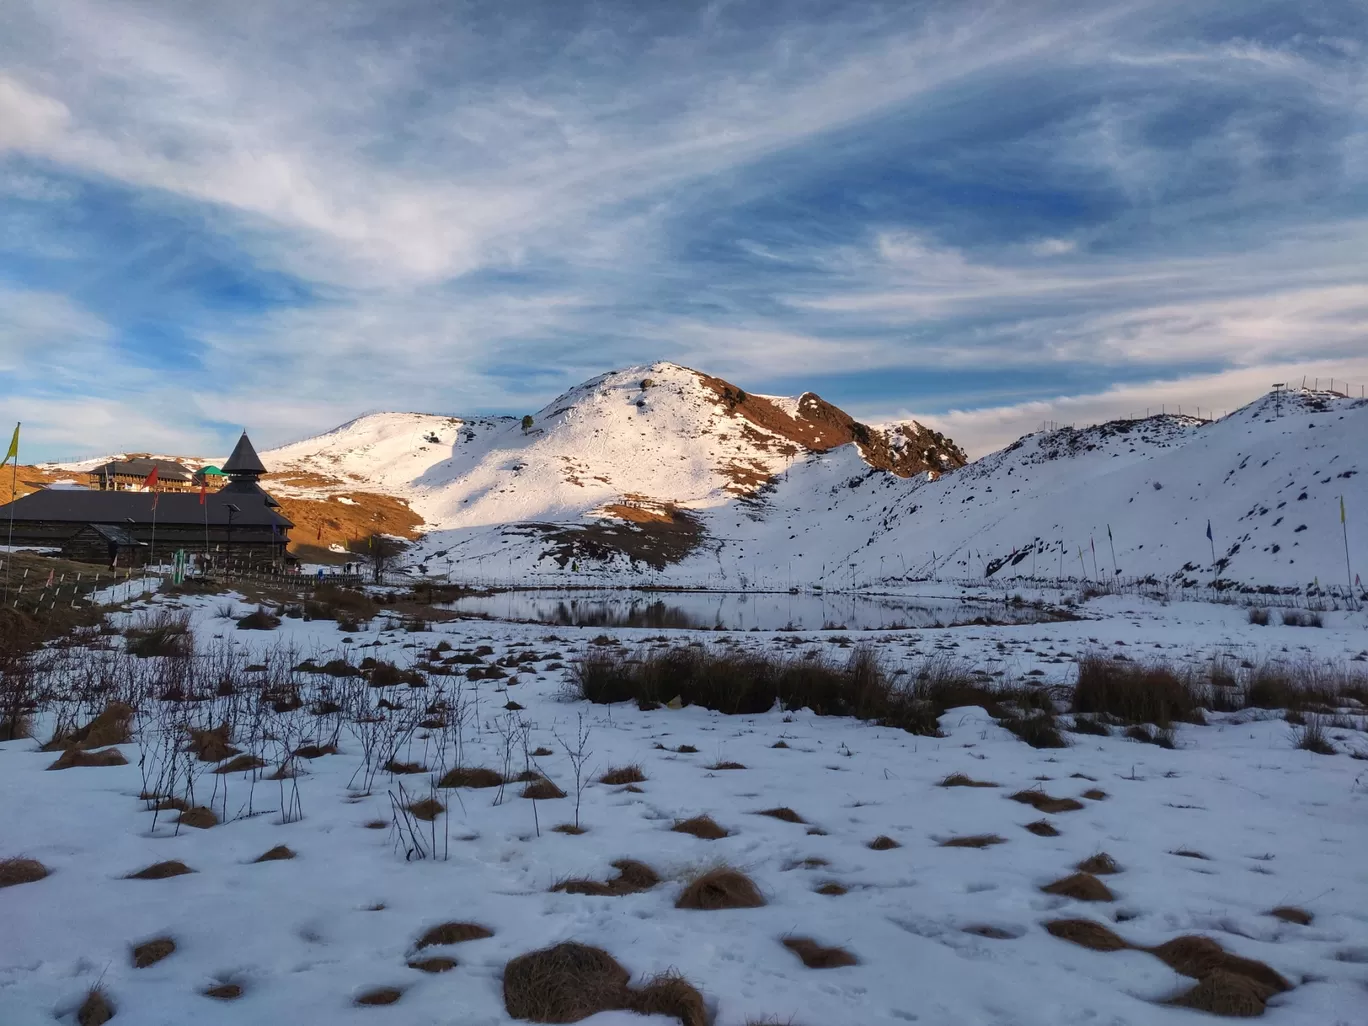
(95, 1010)
(780, 744)
(113, 726)
(399, 768)
(687, 750)
(379, 996)
(832, 889)
(623, 775)
(437, 964)
(632, 878)
(974, 841)
(21, 871)
(376, 824)
(1080, 887)
(1291, 914)
(883, 843)
(1086, 933)
(960, 780)
(1188, 853)
(152, 952)
(784, 813)
(476, 776)
(1095, 794)
(199, 817)
(1042, 802)
(1042, 828)
(427, 809)
(726, 766)
(573, 829)
(212, 745)
(542, 788)
(240, 764)
(171, 804)
(564, 983)
(815, 956)
(670, 994)
(74, 757)
(1135, 692)
(1223, 993)
(161, 871)
(314, 751)
(700, 826)
(720, 888)
(224, 991)
(453, 933)
(1100, 864)
(279, 853)
(991, 932)
(1199, 956)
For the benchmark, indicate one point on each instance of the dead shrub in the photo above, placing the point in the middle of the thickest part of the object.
(700, 826)
(1042, 828)
(427, 809)
(541, 789)
(14, 871)
(564, 983)
(632, 877)
(1080, 887)
(379, 996)
(815, 956)
(1135, 692)
(672, 995)
(1291, 914)
(152, 952)
(260, 620)
(113, 726)
(76, 757)
(719, 888)
(473, 777)
(1222, 993)
(782, 813)
(1312, 737)
(241, 764)
(279, 853)
(883, 843)
(161, 871)
(438, 964)
(223, 991)
(973, 841)
(453, 933)
(1086, 933)
(1258, 616)
(623, 775)
(200, 818)
(1100, 864)
(960, 780)
(95, 1010)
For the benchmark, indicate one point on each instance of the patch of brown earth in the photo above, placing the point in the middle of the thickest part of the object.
(815, 956)
(1080, 887)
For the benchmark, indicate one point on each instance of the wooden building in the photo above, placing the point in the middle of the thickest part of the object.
(210, 477)
(131, 475)
(240, 522)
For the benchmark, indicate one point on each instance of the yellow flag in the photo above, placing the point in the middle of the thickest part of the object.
(13, 452)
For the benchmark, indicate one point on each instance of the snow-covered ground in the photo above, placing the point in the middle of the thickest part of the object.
(1277, 826)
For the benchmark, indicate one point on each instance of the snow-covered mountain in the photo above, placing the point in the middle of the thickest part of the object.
(665, 475)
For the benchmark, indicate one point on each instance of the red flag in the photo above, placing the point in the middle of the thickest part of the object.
(151, 481)
(49, 580)
(203, 489)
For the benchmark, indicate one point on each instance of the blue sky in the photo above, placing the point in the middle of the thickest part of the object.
(280, 214)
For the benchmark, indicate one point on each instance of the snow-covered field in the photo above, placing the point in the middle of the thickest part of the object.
(1276, 826)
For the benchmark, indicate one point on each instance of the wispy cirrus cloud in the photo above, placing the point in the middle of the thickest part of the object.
(304, 212)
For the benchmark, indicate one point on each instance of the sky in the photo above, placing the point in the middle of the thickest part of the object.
(282, 214)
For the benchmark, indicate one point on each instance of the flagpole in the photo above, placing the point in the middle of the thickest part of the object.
(14, 497)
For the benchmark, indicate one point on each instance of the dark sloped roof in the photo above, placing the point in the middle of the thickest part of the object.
(95, 507)
(244, 459)
(167, 470)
